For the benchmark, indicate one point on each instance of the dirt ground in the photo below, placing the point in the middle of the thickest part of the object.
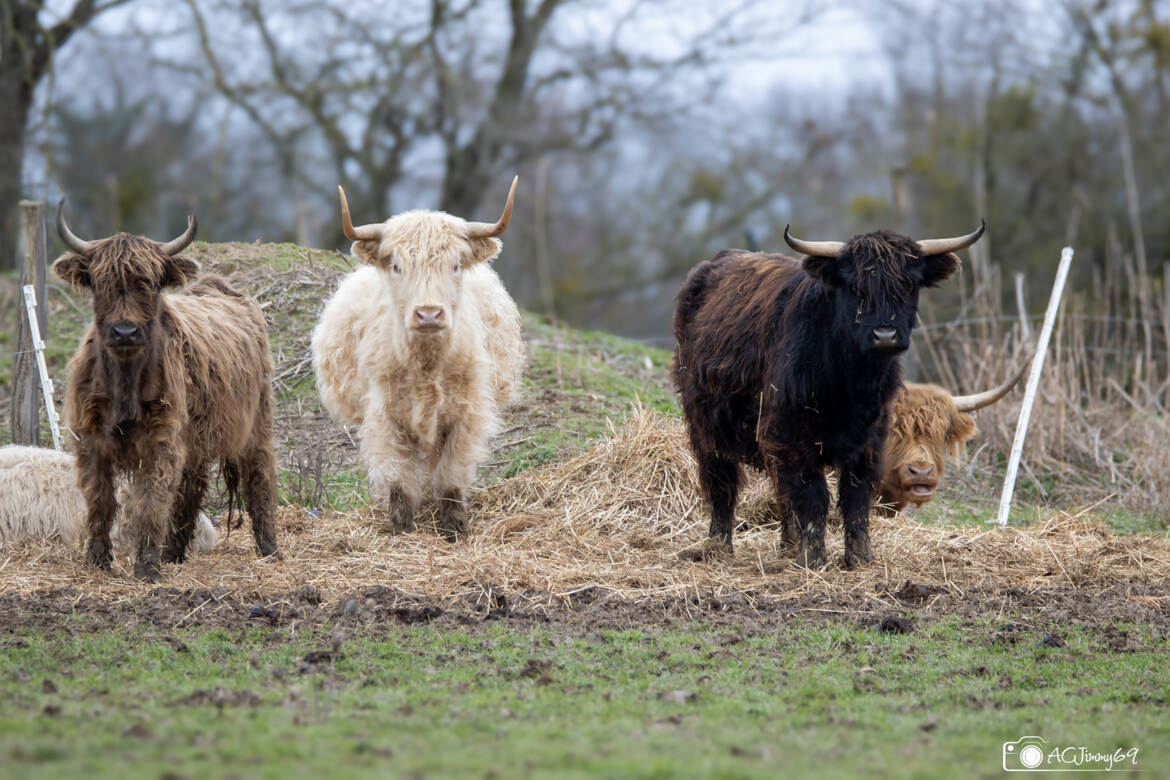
(379, 609)
(591, 542)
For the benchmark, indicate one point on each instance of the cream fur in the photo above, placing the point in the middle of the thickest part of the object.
(426, 405)
(39, 498)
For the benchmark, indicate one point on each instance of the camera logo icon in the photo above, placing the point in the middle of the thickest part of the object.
(1023, 755)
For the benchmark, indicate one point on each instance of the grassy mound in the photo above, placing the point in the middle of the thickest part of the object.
(575, 382)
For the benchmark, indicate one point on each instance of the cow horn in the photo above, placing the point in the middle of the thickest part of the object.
(74, 243)
(813, 248)
(176, 245)
(487, 230)
(363, 233)
(940, 246)
(969, 403)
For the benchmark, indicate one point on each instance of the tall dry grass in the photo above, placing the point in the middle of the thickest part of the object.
(1099, 428)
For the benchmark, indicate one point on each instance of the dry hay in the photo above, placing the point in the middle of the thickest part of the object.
(612, 519)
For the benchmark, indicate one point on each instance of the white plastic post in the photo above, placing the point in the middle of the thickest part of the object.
(30, 306)
(1009, 482)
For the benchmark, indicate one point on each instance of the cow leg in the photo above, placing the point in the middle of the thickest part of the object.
(149, 507)
(258, 474)
(192, 486)
(462, 449)
(789, 530)
(789, 526)
(719, 479)
(855, 498)
(809, 494)
(95, 477)
(394, 476)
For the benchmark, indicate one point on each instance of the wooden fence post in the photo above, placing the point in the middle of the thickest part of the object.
(26, 398)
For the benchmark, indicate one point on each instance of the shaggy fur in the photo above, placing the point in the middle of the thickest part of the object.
(197, 389)
(924, 424)
(426, 403)
(39, 499)
(775, 369)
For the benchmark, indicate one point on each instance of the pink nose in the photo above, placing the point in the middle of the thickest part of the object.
(428, 316)
(915, 471)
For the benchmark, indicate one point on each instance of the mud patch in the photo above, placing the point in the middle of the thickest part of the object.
(221, 697)
(374, 611)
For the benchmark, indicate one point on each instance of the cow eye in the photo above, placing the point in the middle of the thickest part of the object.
(394, 267)
(457, 268)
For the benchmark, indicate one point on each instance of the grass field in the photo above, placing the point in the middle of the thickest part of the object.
(680, 700)
(565, 639)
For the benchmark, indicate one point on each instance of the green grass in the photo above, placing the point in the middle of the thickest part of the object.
(825, 700)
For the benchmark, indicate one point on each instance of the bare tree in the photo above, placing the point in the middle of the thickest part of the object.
(28, 43)
(476, 88)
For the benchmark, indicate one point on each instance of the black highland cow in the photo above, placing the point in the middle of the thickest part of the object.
(789, 366)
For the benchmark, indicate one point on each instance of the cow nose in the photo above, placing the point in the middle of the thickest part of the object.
(885, 337)
(125, 332)
(917, 471)
(428, 316)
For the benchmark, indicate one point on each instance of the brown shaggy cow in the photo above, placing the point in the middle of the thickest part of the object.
(926, 421)
(162, 386)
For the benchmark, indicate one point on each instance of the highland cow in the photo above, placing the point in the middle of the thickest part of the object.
(926, 421)
(420, 349)
(790, 367)
(162, 386)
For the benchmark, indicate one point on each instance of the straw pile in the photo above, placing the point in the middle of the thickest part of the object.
(613, 518)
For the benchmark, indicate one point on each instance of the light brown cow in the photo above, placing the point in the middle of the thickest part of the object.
(925, 422)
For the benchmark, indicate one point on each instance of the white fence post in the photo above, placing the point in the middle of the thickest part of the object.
(1009, 482)
(30, 307)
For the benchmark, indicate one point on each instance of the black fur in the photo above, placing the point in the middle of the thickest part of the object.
(776, 368)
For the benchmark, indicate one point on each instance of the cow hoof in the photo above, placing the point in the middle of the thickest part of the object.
(452, 524)
(174, 555)
(708, 551)
(790, 536)
(452, 519)
(98, 554)
(811, 556)
(148, 570)
(268, 550)
(399, 514)
(858, 552)
(398, 523)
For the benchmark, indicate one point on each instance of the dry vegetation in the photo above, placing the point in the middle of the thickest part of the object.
(1099, 426)
(609, 521)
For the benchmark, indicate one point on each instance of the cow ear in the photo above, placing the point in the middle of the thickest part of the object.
(74, 269)
(962, 428)
(825, 269)
(938, 268)
(483, 249)
(366, 251)
(179, 271)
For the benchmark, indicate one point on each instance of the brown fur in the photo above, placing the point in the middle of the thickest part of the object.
(924, 424)
(197, 390)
